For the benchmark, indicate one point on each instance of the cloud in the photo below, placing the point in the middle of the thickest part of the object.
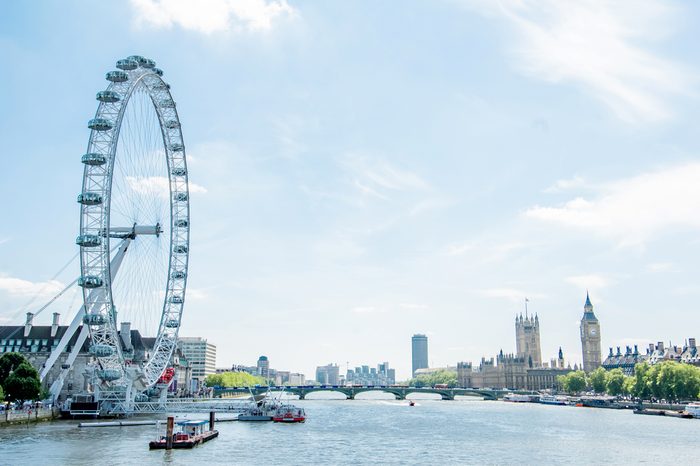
(368, 310)
(659, 267)
(197, 293)
(566, 184)
(159, 185)
(209, 16)
(598, 47)
(633, 210)
(24, 288)
(510, 294)
(378, 178)
(591, 281)
(458, 249)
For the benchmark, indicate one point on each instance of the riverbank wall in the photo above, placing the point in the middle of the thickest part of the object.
(28, 416)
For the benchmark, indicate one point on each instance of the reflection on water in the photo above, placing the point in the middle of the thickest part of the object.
(370, 431)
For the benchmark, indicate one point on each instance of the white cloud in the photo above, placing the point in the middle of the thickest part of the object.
(659, 267)
(590, 282)
(566, 184)
(633, 210)
(209, 16)
(599, 47)
(511, 294)
(457, 249)
(377, 178)
(158, 185)
(25, 288)
(368, 310)
(197, 293)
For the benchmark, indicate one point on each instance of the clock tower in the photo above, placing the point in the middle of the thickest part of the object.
(590, 337)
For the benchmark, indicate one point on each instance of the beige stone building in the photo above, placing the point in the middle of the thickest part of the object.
(527, 339)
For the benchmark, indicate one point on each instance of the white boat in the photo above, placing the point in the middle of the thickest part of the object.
(553, 400)
(693, 409)
(517, 398)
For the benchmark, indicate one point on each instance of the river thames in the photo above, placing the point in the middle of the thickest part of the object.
(385, 432)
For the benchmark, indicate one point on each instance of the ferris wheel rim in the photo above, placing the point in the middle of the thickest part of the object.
(95, 235)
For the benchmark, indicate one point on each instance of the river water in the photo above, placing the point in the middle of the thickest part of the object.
(377, 431)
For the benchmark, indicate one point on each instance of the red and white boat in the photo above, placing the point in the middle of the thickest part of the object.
(289, 413)
(191, 434)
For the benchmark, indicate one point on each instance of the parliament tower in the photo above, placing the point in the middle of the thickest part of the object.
(590, 338)
(527, 339)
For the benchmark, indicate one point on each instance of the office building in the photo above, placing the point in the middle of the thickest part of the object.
(419, 352)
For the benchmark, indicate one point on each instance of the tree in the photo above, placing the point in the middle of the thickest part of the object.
(629, 386)
(8, 363)
(573, 382)
(666, 380)
(615, 382)
(23, 383)
(442, 377)
(233, 379)
(2, 394)
(598, 380)
(640, 385)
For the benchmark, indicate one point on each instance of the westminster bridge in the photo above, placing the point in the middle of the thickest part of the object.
(400, 392)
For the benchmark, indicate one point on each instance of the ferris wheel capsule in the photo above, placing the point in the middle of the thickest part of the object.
(117, 76)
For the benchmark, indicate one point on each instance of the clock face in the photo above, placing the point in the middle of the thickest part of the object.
(593, 331)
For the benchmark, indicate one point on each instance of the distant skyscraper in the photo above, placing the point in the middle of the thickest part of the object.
(527, 339)
(590, 338)
(328, 375)
(419, 346)
(263, 367)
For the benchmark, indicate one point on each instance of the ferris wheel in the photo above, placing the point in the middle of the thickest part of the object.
(134, 198)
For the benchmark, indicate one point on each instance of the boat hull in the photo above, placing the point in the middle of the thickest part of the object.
(248, 418)
(289, 420)
(180, 444)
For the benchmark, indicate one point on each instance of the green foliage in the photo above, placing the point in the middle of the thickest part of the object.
(615, 382)
(2, 394)
(673, 381)
(640, 386)
(233, 379)
(23, 383)
(668, 380)
(8, 363)
(597, 380)
(573, 382)
(439, 377)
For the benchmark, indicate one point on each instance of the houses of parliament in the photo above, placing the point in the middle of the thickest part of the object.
(525, 368)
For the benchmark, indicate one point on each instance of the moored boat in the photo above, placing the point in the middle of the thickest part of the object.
(190, 435)
(289, 414)
(599, 402)
(553, 400)
(693, 409)
(519, 398)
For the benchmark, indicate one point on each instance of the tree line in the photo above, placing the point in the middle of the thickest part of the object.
(439, 377)
(233, 379)
(668, 380)
(19, 381)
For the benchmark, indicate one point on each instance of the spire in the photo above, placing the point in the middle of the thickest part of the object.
(561, 353)
(588, 300)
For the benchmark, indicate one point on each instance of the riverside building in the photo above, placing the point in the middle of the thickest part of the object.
(419, 352)
(523, 370)
(201, 356)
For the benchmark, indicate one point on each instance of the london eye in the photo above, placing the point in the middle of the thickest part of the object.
(134, 228)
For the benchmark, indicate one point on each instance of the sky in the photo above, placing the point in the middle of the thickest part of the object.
(370, 170)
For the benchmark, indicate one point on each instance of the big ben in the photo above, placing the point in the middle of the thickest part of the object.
(590, 337)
